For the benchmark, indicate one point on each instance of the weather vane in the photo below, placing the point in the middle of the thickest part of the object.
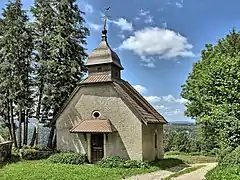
(105, 17)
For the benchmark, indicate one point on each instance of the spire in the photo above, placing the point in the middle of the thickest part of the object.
(104, 31)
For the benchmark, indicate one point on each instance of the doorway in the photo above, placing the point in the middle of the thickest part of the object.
(97, 151)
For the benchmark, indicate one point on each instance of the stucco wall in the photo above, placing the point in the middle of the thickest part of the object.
(149, 150)
(106, 100)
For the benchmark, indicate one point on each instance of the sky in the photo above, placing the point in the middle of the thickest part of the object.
(158, 41)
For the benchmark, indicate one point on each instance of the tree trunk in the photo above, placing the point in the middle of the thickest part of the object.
(33, 137)
(9, 121)
(25, 137)
(50, 138)
(13, 125)
(20, 127)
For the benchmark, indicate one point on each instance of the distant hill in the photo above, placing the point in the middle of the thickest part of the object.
(181, 123)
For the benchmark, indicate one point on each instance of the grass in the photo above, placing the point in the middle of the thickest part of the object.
(43, 169)
(226, 173)
(185, 171)
(193, 159)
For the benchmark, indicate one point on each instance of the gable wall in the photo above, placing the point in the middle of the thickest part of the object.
(127, 142)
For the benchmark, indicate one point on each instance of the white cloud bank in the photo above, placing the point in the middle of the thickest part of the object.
(140, 89)
(157, 42)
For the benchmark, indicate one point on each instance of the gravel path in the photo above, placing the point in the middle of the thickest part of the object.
(158, 175)
(198, 174)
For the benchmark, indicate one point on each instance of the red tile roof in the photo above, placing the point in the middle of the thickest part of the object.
(94, 125)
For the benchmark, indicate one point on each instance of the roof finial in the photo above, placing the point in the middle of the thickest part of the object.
(105, 17)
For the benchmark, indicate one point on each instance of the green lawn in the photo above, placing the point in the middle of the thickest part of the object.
(192, 159)
(44, 170)
(226, 173)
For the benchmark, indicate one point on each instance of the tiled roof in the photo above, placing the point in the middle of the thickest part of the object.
(94, 125)
(97, 77)
(138, 103)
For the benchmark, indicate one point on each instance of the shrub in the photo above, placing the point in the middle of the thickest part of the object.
(33, 154)
(231, 159)
(117, 162)
(173, 153)
(195, 153)
(68, 158)
(223, 152)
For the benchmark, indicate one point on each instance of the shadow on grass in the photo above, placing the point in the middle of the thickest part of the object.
(10, 160)
(170, 164)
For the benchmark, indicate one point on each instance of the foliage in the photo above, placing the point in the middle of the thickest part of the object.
(213, 93)
(117, 162)
(68, 158)
(181, 138)
(226, 173)
(34, 154)
(43, 169)
(231, 159)
(223, 152)
(14, 158)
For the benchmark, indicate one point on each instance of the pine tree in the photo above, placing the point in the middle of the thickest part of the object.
(16, 48)
(61, 36)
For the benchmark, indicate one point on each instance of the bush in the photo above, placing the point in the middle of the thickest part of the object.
(68, 158)
(173, 153)
(231, 159)
(223, 152)
(33, 154)
(117, 162)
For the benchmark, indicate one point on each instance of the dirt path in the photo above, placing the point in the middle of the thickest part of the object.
(198, 174)
(158, 175)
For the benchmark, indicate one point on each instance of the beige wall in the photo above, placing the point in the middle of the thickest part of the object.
(105, 99)
(148, 133)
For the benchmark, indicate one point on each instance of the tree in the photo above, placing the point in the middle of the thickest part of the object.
(16, 50)
(60, 37)
(214, 85)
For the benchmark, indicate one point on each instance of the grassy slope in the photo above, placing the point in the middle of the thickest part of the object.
(193, 159)
(226, 173)
(42, 169)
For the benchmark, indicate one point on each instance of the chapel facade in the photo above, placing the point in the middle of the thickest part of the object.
(106, 116)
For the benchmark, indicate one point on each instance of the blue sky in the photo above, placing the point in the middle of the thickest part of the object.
(158, 41)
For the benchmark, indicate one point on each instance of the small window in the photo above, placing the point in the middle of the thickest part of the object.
(96, 114)
(155, 139)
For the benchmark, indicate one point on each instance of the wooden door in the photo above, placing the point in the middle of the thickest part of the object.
(96, 147)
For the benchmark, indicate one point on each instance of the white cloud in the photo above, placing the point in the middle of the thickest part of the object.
(87, 8)
(123, 24)
(158, 42)
(94, 26)
(137, 18)
(140, 89)
(149, 19)
(170, 98)
(164, 24)
(143, 12)
(148, 62)
(179, 5)
(153, 99)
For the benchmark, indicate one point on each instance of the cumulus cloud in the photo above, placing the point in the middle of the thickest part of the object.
(170, 98)
(123, 24)
(94, 26)
(146, 14)
(158, 42)
(140, 89)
